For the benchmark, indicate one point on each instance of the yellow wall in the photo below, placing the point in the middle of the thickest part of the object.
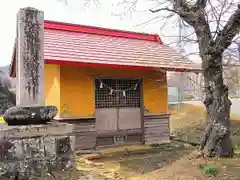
(77, 89)
(52, 85)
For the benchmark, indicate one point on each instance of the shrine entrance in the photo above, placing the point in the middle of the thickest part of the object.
(118, 105)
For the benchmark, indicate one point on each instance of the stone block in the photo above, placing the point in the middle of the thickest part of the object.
(50, 146)
(7, 170)
(50, 151)
(63, 145)
(32, 169)
(50, 129)
(18, 149)
(5, 150)
(55, 128)
(34, 148)
(11, 150)
(34, 156)
(66, 162)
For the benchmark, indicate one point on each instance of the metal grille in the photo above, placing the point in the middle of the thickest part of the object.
(105, 99)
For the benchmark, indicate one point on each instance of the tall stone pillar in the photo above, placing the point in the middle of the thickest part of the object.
(30, 57)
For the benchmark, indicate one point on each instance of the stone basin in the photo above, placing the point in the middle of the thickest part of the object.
(29, 115)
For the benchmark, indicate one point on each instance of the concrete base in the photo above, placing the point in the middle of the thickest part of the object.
(30, 151)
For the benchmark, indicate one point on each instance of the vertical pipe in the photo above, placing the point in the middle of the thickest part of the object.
(180, 87)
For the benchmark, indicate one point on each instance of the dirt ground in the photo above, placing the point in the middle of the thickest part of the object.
(174, 161)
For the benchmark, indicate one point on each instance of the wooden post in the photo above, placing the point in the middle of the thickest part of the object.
(30, 57)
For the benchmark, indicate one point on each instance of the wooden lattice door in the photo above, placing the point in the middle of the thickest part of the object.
(118, 105)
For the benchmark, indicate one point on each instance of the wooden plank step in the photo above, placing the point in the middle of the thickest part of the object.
(154, 126)
(152, 116)
(155, 120)
(157, 136)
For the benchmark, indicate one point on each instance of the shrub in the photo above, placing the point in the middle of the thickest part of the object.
(210, 169)
(237, 149)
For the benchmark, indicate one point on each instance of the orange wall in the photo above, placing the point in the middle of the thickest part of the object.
(77, 89)
(52, 85)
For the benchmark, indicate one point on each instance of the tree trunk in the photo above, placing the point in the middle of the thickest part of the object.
(216, 139)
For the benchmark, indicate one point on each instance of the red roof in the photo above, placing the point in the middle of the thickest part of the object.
(93, 45)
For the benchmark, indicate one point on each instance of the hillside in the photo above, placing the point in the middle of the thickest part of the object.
(7, 99)
(4, 76)
(4, 69)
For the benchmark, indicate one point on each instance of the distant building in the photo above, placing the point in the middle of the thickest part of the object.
(185, 84)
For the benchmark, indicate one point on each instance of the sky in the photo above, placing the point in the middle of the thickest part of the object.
(104, 14)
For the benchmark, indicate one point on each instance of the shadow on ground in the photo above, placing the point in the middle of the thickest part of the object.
(157, 158)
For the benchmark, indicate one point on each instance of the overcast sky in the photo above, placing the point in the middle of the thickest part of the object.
(102, 14)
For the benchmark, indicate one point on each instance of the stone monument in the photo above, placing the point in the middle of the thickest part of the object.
(31, 145)
(30, 107)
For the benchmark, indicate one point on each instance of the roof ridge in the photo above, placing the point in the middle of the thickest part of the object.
(62, 26)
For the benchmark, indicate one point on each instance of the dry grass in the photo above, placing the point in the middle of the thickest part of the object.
(2, 120)
(134, 165)
(188, 121)
(186, 116)
(169, 162)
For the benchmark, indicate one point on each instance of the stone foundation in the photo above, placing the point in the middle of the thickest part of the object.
(32, 152)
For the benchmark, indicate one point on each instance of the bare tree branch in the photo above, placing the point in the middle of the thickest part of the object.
(163, 9)
(230, 30)
(150, 20)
